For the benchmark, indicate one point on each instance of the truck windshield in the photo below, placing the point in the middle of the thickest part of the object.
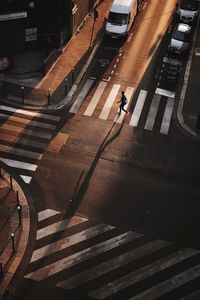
(117, 19)
(191, 5)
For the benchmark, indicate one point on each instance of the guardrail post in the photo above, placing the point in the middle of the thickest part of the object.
(22, 91)
(13, 242)
(11, 183)
(49, 96)
(65, 86)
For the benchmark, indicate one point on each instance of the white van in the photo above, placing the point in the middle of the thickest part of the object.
(188, 10)
(121, 16)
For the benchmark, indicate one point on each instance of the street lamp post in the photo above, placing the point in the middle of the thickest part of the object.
(95, 16)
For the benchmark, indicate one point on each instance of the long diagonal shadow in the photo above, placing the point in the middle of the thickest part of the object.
(79, 194)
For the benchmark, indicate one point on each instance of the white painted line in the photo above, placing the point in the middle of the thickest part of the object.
(112, 72)
(91, 77)
(30, 113)
(112, 264)
(165, 93)
(129, 92)
(27, 179)
(95, 99)
(143, 273)
(59, 226)
(70, 240)
(107, 79)
(33, 132)
(21, 152)
(169, 285)
(167, 116)
(19, 164)
(152, 112)
(109, 102)
(83, 255)
(130, 38)
(28, 122)
(47, 213)
(76, 105)
(138, 109)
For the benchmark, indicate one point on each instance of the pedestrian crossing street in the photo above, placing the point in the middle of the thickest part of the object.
(24, 136)
(102, 261)
(109, 108)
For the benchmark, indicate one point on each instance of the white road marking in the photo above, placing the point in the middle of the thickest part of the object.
(59, 226)
(47, 213)
(19, 164)
(129, 92)
(112, 264)
(70, 240)
(143, 273)
(109, 102)
(138, 109)
(27, 179)
(167, 116)
(81, 256)
(30, 113)
(169, 285)
(76, 105)
(165, 93)
(95, 99)
(152, 112)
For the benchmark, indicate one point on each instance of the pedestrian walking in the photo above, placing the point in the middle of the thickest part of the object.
(123, 101)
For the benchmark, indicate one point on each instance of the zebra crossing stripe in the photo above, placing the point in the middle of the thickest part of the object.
(167, 116)
(95, 99)
(28, 122)
(109, 102)
(18, 164)
(30, 113)
(59, 226)
(70, 240)
(138, 109)
(11, 128)
(81, 97)
(47, 213)
(152, 112)
(21, 152)
(143, 273)
(112, 264)
(129, 92)
(27, 179)
(81, 256)
(169, 285)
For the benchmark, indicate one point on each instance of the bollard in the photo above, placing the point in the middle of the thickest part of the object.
(22, 91)
(13, 242)
(65, 86)
(18, 199)
(11, 183)
(73, 76)
(19, 215)
(49, 96)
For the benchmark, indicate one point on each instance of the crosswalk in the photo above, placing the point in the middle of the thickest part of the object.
(104, 262)
(24, 135)
(105, 96)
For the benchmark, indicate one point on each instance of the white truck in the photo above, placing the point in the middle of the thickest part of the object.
(121, 16)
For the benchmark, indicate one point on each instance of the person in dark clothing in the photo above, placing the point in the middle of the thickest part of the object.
(123, 101)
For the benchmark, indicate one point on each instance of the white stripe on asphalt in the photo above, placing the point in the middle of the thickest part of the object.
(138, 109)
(165, 93)
(152, 112)
(112, 264)
(129, 92)
(143, 273)
(28, 122)
(81, 256)
(169, 285)
(30, 113)
(27, 179)
(21, 152)
(81, 97)
(30, 132)
(47, 213)
(95, 99)
(70, 240)
(109, 102)
(58, 226)
(18, 164)
(167, 116)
